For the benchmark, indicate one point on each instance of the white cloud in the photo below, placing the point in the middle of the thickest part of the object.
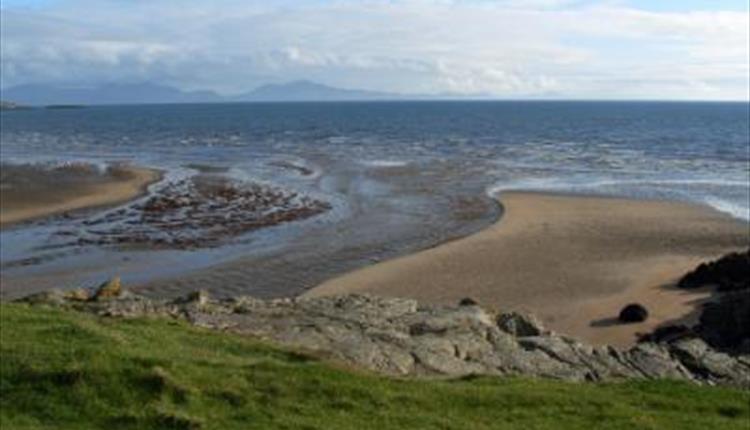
(546, 48)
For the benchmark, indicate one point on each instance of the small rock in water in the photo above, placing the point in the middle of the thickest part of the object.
(633, 312)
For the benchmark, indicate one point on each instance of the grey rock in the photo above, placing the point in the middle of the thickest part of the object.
(400, 337)
(708, 364)
(54, 297)
(519, 324)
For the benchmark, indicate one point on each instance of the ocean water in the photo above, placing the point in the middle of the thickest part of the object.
(400, 176)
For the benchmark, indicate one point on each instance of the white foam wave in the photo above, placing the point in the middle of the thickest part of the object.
(385, 163)
(733, 209)
(633, 188)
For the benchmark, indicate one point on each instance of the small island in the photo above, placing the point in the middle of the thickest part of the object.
(64, 106)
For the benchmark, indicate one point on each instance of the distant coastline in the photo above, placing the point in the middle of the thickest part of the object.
(290, 92)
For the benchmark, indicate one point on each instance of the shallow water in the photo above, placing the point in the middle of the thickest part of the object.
(399, 177)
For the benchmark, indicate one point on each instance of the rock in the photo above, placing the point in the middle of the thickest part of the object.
(654, 361)
(667, 334)
(708, 364)
(54, 297)
(468, 301)
(79, 294)
(202, 211)
(633, 312)
(725, 324)
(729, 273)
(400, 337)
(519, 325)
(109, 289)
(200, 297)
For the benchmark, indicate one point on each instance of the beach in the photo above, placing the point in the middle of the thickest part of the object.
(31, 192)
(273, 201)
(574, 261)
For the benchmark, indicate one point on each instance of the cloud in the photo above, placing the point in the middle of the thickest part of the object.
(542, 48)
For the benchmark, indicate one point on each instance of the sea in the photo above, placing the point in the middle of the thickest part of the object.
(399, 176)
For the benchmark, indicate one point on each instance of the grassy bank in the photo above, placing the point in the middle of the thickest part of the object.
(67, 370)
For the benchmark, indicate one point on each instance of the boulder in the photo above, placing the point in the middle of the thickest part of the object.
(632, 313)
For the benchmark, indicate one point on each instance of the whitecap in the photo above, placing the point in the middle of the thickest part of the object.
(385, 163)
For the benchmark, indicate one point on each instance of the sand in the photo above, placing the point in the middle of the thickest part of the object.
(573, 261)
(38, 194)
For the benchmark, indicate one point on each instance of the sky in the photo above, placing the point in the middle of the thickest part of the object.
(508, 49)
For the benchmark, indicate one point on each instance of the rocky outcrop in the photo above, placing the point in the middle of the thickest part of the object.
(402, 337)
(725, 322)
(729, 273)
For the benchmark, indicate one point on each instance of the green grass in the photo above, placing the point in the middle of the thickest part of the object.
(62, 369)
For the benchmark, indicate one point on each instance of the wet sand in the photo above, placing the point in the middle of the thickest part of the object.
(29, 192)
(573, 261)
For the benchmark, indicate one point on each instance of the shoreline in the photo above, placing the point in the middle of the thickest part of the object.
(128, 183)
(573, 260)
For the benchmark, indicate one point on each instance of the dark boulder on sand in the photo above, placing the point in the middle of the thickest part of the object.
(633, 312)
(468, 301)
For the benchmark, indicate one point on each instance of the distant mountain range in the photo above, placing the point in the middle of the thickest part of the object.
(149, 93)
(311, 91)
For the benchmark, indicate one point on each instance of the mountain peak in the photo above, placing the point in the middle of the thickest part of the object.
(305, 90)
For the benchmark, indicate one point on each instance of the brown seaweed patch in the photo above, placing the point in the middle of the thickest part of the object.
(203, 211)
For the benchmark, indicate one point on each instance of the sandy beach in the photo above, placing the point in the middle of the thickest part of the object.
(30, 192)
(573, 261)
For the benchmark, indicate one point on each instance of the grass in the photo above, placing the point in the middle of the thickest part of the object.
(64, 370)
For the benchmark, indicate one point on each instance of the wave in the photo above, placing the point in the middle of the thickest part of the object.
(635, 188)
(385, 163)
(727, 207)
